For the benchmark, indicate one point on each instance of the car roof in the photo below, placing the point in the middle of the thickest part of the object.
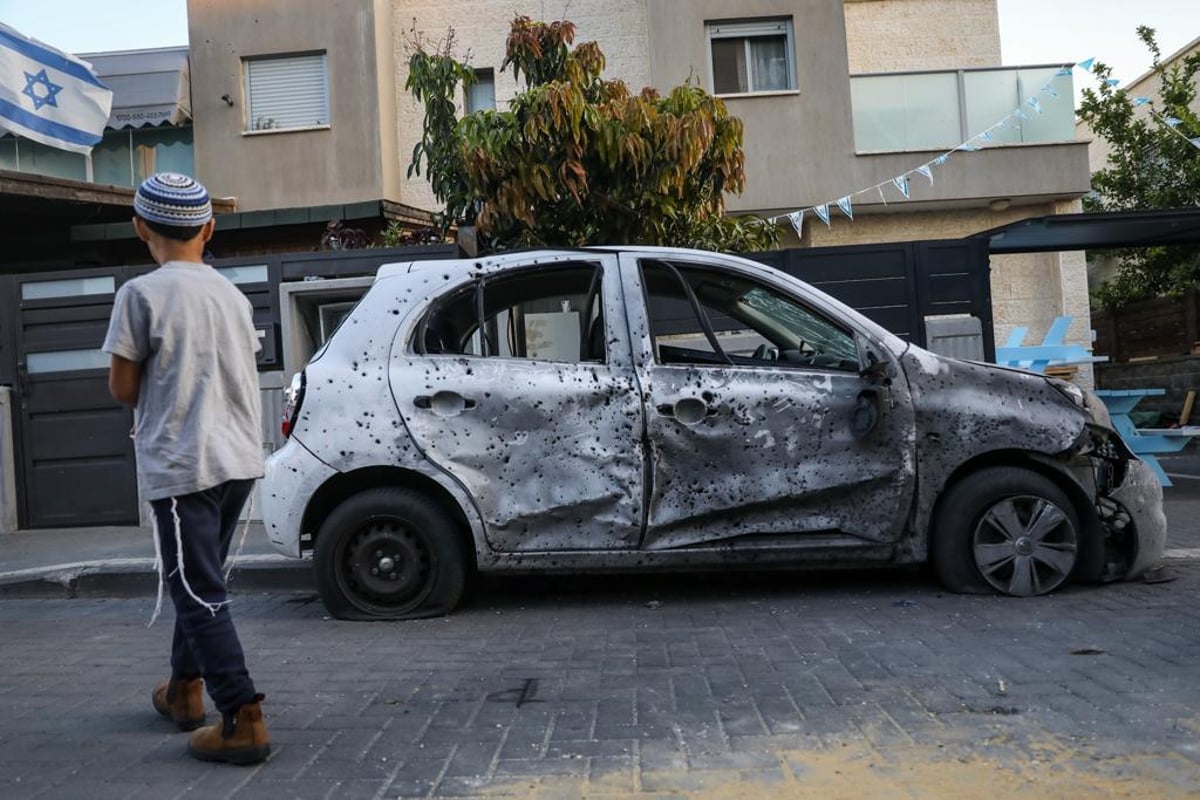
(531, 256)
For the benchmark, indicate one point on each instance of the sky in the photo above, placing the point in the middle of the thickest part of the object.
(1031, 31)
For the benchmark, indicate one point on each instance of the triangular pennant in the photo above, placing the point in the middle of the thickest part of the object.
(822, 211)
(941, 160)
(1086, 63)
(985, 136)
(1112, 82)
(1034, 104)
(968, 147)
(1195, 141)
(1019, 113)
(882, 196)
(1172, 121)
(797, 220)
(1063, 72)
(1140, 101)
(1050, 91)
(846, 206)
(901, 183)
(927, 172)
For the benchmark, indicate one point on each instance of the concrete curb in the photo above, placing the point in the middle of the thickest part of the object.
(132, 577)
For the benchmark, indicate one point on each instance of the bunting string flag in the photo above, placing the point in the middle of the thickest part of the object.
(1172, 124)
(846, 206)
(901, 184)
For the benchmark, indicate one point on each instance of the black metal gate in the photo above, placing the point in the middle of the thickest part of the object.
(73, 447)
(900, 284)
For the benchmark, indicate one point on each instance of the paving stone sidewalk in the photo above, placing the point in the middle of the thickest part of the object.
(753, 686)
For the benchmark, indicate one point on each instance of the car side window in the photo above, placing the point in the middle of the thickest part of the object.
(703, 316)
(552, 313)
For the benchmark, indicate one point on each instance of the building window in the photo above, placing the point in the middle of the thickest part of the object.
(749, 57)
(286, 92)
(481, 95)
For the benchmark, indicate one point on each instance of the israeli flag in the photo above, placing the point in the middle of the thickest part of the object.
(822, 212)
(901, 183)
(50, 96)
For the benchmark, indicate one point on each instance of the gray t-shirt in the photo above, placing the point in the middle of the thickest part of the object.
(198, 413)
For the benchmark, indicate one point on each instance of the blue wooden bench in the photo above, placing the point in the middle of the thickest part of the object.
(1052, 351)
(1146, 443)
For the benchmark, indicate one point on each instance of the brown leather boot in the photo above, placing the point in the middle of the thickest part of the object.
(181, 701)
(240, 738)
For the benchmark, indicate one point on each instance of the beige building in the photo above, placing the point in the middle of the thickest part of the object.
(303, 104)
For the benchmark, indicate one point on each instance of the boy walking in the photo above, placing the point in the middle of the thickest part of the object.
(183, 346)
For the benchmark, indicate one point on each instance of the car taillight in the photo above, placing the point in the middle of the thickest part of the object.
(293, 397)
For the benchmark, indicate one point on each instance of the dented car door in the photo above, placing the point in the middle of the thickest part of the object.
(529, 402)
(770, 422)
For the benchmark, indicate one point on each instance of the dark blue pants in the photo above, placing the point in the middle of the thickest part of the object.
(206, 643)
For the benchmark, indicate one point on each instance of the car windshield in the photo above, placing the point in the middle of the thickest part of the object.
(800, 323)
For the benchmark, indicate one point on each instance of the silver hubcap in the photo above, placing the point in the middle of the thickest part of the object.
(1025, 545)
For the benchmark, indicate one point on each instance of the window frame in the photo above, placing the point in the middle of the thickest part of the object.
(248, 124)
(724, 359)
(747, 29)
(477, 290)
(481, 74)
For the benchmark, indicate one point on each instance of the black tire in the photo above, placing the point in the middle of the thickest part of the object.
(1006, 530)
(393, 529)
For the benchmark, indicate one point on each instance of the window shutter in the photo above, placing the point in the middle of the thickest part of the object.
(291, 92)
(725, 30)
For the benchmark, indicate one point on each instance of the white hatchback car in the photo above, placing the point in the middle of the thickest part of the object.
(654, 408)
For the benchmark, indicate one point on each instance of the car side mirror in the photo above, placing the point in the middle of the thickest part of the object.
(877, 370)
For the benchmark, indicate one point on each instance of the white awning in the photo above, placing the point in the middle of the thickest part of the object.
(150, 87)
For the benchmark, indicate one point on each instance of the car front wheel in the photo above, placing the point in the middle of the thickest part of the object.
(1007, 530)
(389, 553)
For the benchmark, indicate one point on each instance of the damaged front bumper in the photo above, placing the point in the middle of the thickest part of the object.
(1135, 504)
(1128, 498)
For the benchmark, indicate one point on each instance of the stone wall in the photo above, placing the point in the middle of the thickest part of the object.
(904, 35)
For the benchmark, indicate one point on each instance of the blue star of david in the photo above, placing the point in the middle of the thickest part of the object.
(40, 99)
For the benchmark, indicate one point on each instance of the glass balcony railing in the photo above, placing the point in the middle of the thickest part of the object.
(909, 111)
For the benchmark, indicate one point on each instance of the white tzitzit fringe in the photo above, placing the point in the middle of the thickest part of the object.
(158, 567)
(212, 607)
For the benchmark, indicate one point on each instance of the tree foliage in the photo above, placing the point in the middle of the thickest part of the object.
(1152, 165)
(577, 159)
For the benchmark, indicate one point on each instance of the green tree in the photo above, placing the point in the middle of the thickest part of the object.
(1152, 165)
(577, 159)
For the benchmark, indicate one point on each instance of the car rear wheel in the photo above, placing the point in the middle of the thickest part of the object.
(389, 553)
(1006, 530)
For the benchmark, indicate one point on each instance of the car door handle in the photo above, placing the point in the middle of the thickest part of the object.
(688, 410)
(444, 404)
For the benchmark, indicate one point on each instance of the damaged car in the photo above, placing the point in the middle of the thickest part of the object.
(634, 409)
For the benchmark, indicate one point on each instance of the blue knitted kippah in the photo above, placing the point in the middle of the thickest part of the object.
(173, 199)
